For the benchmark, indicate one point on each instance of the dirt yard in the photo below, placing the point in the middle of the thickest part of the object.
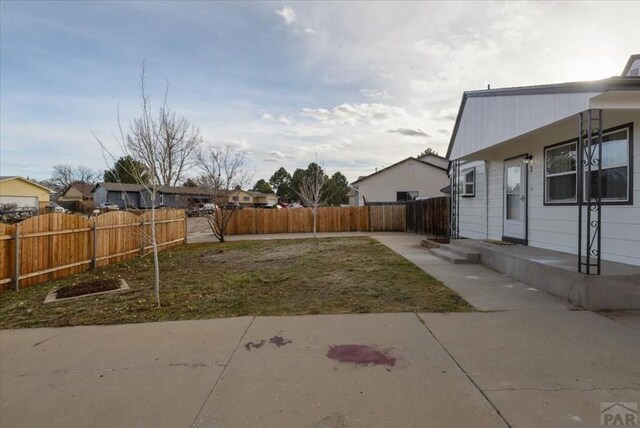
(285, 277)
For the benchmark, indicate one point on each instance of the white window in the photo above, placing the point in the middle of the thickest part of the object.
(561, 170)
(468, 183)
(614, 172)
(560, 173)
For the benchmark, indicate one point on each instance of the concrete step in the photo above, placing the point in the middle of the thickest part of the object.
(471, 255)
(449, 256)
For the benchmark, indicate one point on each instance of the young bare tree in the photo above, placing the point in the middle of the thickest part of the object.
(174, 140)
(312, 191)
(224, 171)
(165, 146)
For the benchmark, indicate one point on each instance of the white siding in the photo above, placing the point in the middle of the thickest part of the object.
(556, 227)
(487, 121)
(473, 210)
(411, 175)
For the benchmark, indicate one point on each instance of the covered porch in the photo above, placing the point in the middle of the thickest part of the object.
(617, 286)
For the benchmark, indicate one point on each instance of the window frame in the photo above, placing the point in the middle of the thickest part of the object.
(559, 174)
(580, 169)
(407, 192)
(464, 182)
(628, 165)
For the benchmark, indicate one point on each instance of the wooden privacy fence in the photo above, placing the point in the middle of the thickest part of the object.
(429, 217)
(330, 219)
(54, 246)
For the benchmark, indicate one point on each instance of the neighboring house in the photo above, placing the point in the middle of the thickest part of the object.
(23, 192)
(352, 197)
(263, 199)
(127, 195)
(242, 197)
(77, 197)
(77, 192)
(404, 181)
(521, 171)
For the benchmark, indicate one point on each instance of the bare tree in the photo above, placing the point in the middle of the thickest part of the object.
(165, 147)
(64, 175)
(174, 140)
(312, 191)
(224, 171)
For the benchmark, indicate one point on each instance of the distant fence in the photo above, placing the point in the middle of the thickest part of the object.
(77, 206)
(330, 219)
(429, 217)
(54, 246)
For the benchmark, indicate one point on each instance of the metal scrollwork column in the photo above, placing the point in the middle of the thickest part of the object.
(589, 154)
(455, 200)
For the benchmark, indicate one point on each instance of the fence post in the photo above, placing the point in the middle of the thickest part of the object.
(94, 259)
(16, 259)
(142, 235)
(185, 227)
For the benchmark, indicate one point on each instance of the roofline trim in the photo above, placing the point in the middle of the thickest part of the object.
(396, 164)
(13, 177)
(630, 62)
(610, 84)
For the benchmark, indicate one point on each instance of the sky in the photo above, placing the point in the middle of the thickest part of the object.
(357, 86)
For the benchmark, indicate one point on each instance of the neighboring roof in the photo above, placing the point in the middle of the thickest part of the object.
(258, 194)
(363, 178)
(627, 68)
(183, 190)
(131, 187)
(84, 188)
(604, 85)
(119, 187)
(11, 177)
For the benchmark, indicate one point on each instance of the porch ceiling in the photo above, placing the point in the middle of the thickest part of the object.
(619, 100)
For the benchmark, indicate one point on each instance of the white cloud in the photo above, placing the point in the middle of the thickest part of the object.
(287, 14)
(374, 93)
(357, 113)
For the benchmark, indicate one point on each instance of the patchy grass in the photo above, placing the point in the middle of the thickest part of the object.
(285, 277)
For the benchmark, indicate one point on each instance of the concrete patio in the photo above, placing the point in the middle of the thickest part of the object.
(528, 360)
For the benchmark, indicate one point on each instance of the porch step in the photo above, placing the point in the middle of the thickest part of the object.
(456, 254)
(471, 255)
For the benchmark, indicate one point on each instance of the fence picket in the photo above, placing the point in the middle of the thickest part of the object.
(56, 245)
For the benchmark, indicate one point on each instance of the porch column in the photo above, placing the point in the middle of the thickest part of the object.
(454, 201)
(588, 169)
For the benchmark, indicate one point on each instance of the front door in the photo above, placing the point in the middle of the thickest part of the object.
(515, 200)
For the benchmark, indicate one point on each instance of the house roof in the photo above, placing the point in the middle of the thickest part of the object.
(258, 194)
(627, 68)
(611, 84)
(131, 187)
(363, 178)
(84, 188)
(11, 177)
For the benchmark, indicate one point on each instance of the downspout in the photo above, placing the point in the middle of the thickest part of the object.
(486, 195)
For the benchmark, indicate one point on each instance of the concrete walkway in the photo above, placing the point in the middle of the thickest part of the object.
(530, 361)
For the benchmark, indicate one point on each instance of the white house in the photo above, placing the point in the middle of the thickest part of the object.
(526, 158)
(406, 180)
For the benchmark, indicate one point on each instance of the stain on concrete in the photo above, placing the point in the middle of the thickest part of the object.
(279, 341)
(251, 345)
(360, 355)
(335, 420)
